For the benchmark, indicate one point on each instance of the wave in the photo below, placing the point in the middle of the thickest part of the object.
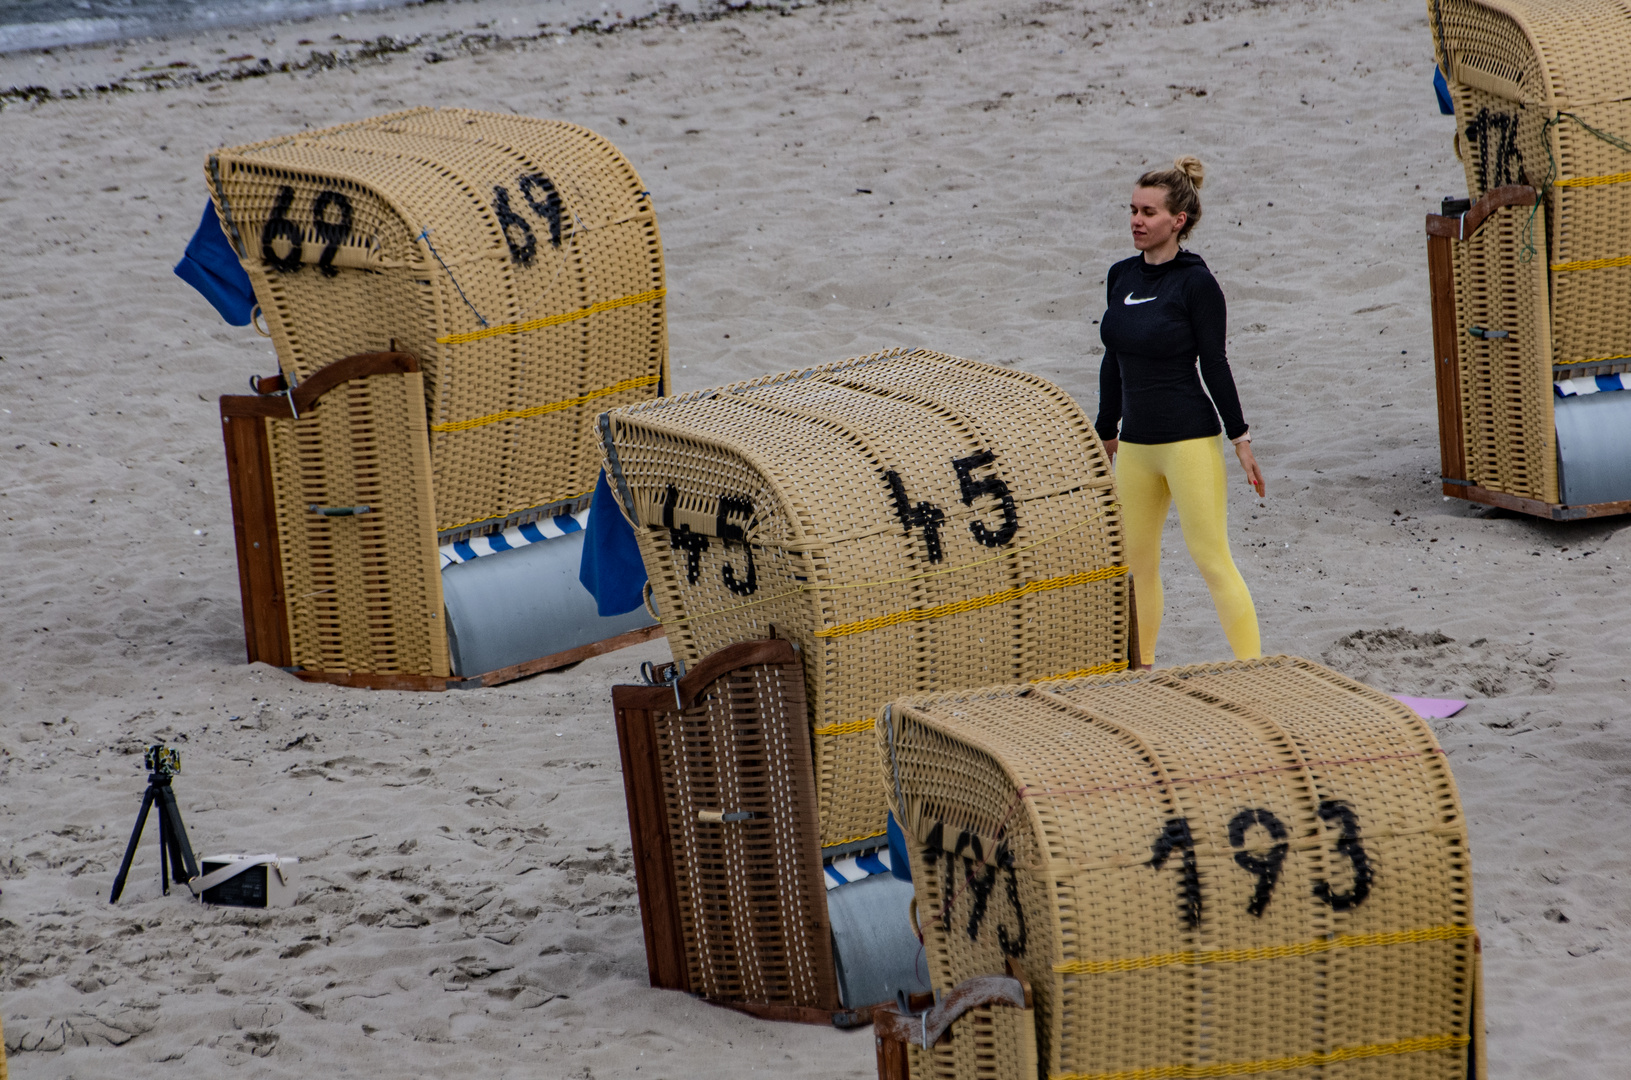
(49, 24)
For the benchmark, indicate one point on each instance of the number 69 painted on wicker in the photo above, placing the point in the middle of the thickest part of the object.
(332, 233)
(540, 193)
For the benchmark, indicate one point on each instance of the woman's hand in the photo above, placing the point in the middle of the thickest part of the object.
(1254, 475)
(1110, 448)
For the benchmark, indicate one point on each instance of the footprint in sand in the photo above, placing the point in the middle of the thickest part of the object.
(1432, 663)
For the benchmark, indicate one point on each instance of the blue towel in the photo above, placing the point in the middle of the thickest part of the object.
(1442, 89)
(611, 568)
(900, 864)
(211, 266)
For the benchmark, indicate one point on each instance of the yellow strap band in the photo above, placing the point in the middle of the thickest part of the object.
(1081, 673)
(1591, 264)
(975, 603)
(553, 320)
(1593, 181)
(554, 406)
(1417, 1045)
(855, 726)
(1594, 360)
(852, 839)
(846, 729)
(1195, 958)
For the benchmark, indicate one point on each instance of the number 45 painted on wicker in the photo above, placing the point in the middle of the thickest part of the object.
(929, 517)
(694, 544)
(1175, 836)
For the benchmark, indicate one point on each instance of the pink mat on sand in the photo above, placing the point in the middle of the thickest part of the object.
(1432, 708)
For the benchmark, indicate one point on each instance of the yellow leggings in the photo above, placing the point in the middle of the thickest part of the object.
(1190, 473)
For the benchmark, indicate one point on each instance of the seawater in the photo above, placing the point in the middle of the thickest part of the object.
(42, 24)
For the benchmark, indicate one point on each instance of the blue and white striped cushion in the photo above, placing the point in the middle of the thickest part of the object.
(510, 539)
(856, 867)
(1592, 384)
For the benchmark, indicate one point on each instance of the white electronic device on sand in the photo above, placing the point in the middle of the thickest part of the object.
(259, 881)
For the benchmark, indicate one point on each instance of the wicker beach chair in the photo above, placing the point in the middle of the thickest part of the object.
(1218, 870)
(1531, 277)
(509, 273)
(912, 521)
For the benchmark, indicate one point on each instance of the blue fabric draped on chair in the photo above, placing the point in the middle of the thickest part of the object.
(211, 266)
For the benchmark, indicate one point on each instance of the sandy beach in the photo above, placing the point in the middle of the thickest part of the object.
(829, 179)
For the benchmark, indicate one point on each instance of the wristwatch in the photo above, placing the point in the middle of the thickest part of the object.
(1246, 438)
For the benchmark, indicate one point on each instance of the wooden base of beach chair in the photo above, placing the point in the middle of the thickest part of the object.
(377, 595)
(385, 680)
(1534, 507)
(312, 576)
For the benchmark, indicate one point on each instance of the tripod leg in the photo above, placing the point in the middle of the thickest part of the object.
(181, 849)
(130, 849)
(164, 849)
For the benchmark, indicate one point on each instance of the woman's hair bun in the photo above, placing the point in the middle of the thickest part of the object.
(1182, 184)
(1191, 166)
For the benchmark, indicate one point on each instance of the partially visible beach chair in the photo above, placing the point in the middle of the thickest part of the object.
(1220, 870)
(1531, 274)
(453, 296)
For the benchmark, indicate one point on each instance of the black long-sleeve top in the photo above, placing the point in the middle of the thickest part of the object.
(1160, 320)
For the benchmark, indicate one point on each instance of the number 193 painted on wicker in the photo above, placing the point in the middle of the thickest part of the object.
(1175, 836)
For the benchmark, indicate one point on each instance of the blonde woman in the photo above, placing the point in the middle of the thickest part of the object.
(1163, 338)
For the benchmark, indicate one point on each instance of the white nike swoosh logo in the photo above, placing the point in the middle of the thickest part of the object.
(1141, 300)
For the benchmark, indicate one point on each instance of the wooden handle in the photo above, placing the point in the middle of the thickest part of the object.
(360, 366)
(1462, 226)
(276, 404)
(719, 817)
(684, 693)
(925, 1029)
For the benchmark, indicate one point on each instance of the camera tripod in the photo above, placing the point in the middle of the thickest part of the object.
(175, 852)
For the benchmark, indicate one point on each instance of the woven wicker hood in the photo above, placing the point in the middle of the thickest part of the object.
(518, 259)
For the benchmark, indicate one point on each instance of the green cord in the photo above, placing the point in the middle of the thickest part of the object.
(1613, 140)
(1528, 251)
